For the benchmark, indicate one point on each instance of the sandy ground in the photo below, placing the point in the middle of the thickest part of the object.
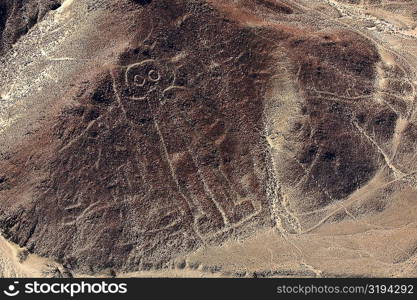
(30, 266)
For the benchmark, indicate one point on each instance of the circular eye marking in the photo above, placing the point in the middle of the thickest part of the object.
(146, 76)
(138, 80)
(154, 75)
(138, 69)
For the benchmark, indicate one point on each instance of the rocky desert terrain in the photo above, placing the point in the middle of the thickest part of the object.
(208, 138)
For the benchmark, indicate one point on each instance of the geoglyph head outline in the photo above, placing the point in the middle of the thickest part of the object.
(146, 76)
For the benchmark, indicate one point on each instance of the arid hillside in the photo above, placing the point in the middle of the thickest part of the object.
(208, 138)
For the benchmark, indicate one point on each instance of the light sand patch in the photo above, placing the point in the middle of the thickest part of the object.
(31, 266)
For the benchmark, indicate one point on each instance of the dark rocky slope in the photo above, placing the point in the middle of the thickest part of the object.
(18, 16)
(175, 143)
